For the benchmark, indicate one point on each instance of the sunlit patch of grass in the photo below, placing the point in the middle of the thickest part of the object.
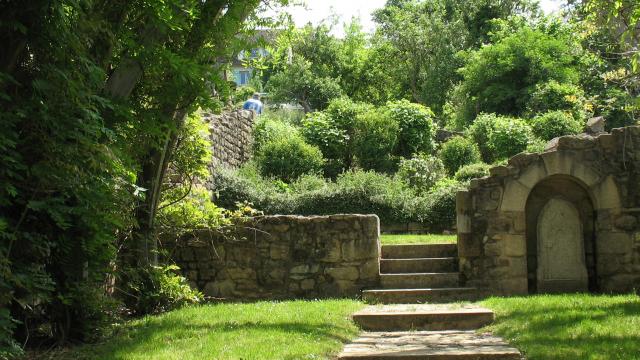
(262, 330)
(575, 326)
(404, 239)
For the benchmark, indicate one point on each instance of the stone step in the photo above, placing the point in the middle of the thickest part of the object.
(422, 317)
(430, 345)
(417, 296)
(419, 280)
(419, 265)
(419, 251)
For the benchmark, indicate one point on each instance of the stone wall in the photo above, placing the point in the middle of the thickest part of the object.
(499, 216)
(231, 137)
(277, 257)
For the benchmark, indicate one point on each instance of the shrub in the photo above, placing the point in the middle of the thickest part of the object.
(421, 172)
(552, 95)
(508, 137)
(457, 152)
(499, 137)
(440, 212)
(333, 131)
(288, 158)
(417, 129)
(536, 145)
(555, 123)
(268, 128)
(157, 289)
(472, 171)
(376, 136)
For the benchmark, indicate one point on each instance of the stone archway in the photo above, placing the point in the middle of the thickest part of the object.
(560, 236)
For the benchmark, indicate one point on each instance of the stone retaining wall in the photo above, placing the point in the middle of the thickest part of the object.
(231, 137)
(599, 175)
(277, 257)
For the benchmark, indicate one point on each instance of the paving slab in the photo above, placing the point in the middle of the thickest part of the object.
(419, 250)
(429, 345)
(423, 317)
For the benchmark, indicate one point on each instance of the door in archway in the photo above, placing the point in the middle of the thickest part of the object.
(561, 255)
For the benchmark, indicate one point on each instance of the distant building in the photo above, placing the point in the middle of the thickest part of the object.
(241, 72)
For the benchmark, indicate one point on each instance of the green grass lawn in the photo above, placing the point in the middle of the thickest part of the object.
(402, 239)
(263, 330)
(570, 326)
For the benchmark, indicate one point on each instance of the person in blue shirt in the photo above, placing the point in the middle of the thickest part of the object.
(254, 104)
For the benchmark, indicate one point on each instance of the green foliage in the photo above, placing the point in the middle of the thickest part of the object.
(472, 171)
(299, 84)
(509, 137)
(289, 158)
(501, 77)
(555, 123)
(422, 40)
(499, 137)
(269, 128)
(458, 152)
(556, 96)
(417, 129)
(157, 289)
(243, 93)
(421, 172)
(440, 212)
(376, 135)
(333, 131)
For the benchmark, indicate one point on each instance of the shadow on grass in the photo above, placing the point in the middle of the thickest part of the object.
(575, 330)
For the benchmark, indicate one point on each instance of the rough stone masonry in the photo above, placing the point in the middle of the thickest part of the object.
(277, 257)
(231, 138)
(566, 219)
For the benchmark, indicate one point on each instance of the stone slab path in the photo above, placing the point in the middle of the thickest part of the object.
(440, 345)
(441, 332)
(411, 326)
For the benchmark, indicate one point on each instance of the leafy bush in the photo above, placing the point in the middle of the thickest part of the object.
(356, 192)
(417, 129)
(157, 289)
(333, 131)
(555, 123)
(552, 95)
(438, 208)
(457, 152)
(269, 128)
(472, 171)
(288, 158)
(376, 136)
(509, 137)
(499, 137)
(536, 145)
(421, 172)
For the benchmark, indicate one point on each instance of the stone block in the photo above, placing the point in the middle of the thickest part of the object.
(469, 245)
(343, 273)
(514, 286)
(557, 162)
(279, 251)
(614, 243)
(370, 270)
(514, 245)
(626, 222)
(219, 288)
(530, 176)
(241, 273)
(515, 196)
(606, 194)
(307, 284)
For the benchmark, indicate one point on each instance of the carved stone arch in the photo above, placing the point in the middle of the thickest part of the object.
(570, 190)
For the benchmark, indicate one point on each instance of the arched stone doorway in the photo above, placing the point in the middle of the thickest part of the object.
(560, 235)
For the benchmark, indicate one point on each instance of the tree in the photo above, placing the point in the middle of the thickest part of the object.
(424, 38)
(87, 140)
(501, 77)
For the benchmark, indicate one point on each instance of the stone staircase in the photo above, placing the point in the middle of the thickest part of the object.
(409, 330)
(419, 274)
